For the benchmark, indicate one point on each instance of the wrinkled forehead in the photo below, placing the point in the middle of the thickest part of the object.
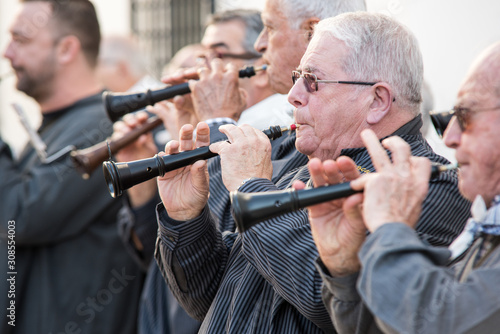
(273, 14)
(482, 83)
(324, 54)
(480, 90)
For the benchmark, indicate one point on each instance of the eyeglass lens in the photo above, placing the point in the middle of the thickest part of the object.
(309, 80)
(463, 117)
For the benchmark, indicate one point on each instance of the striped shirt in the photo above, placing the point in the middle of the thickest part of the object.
(159, 312)
(265, 280)
(285, 159)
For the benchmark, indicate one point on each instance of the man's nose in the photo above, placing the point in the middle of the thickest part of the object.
(452, 135)
(261, 42)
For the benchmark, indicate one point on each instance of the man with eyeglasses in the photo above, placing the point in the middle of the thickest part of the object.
(229, 37)
(223, 39)
(267, 274)
(405, 283)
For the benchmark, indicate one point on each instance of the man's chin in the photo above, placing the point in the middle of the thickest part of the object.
(467, 188)
(23, 85)
(302, 146)
(23, 88)
(277, 85)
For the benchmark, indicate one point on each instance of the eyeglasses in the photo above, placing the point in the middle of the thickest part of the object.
(311, 81)
(464, 115)
(440, 120)
(212, 54)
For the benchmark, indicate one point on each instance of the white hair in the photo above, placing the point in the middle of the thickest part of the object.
(298, 10)
(381, 49)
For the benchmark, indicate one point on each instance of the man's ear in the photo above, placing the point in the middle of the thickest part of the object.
(68, 49)
(308, 26)
(381, 103)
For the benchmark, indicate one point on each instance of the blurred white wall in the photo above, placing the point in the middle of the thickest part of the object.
(235, 4)
(451, 34)
(114, 18)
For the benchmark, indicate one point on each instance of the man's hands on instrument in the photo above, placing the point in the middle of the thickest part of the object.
(396, 191)
(184, 191)
(144, 147)
(246, 154)
(181, 106)
(393, 194)
(217, 92)
(337, 226)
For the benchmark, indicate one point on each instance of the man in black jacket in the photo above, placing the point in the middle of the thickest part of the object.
(68, 269)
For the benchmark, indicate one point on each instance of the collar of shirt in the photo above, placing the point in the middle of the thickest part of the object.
(482, 221)
(412, 128)
(50, 117)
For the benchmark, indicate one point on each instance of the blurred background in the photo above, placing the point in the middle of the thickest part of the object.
(451, 33)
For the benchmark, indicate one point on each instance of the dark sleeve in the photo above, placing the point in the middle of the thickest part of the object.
(159, 311)
(406, 286)
(342, 300)
(444, 212)
(51, 202)
(218, 201)
(283, 251)
(5, 150)
(192, 258)
(143, 224)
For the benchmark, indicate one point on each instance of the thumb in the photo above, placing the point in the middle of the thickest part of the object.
(217, 147)
(199, 173)
(360, 182)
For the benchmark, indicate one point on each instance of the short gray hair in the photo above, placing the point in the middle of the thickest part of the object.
(381, 49)
(251, 20)
(298, 10)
